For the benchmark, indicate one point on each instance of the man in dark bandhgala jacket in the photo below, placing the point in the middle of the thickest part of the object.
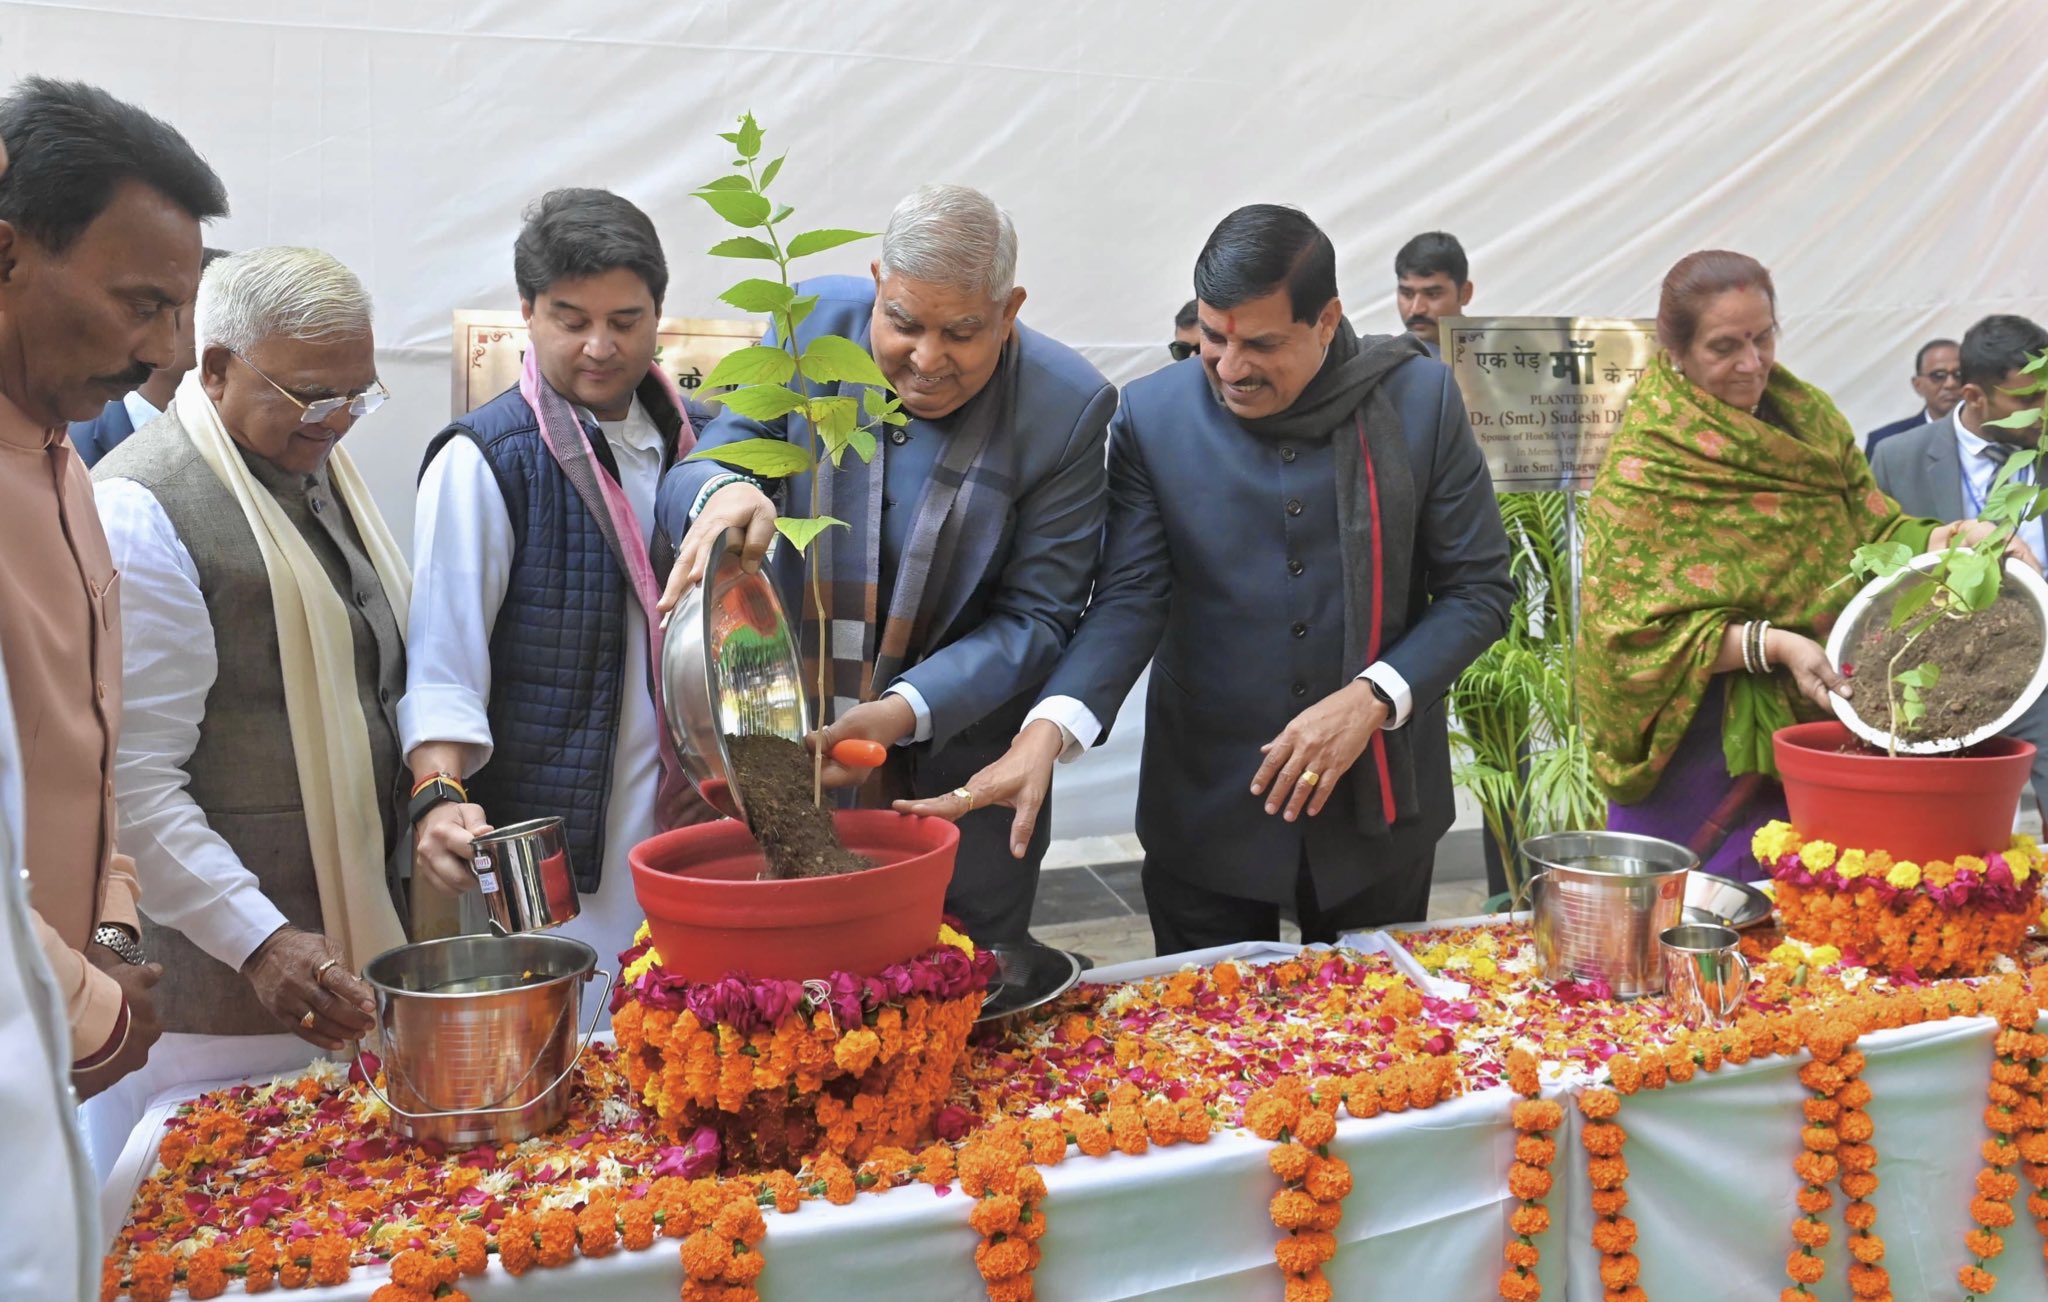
(1302, 528)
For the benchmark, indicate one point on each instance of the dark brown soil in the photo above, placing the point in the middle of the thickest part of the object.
(774, 776)
(1985, 660)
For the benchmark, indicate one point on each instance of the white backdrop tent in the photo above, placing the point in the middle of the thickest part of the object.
(1884, 158)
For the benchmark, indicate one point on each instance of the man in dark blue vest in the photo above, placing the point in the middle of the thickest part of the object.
(1302, 529)
(974, 533)
(529, 689)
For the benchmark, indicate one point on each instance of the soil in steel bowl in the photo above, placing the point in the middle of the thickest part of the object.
(1985, 661)
(774, 777)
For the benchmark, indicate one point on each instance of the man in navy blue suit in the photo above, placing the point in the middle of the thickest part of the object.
(95, 438)
(1302, 528)
(1938, 379)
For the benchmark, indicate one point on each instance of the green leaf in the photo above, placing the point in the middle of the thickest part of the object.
(740, 207)
(768, 458)
(730, 181)
(2038, 365)
(2010, 502)
(1882, 559)
(747, 140)
(835, 418)
(1973, 578)
(769, 173)
(800, 532)
(743, 246)
(759, 296)
(879, 403)
(758, 364)
(1912, 601)
(818, 241)
(2018, 420)
(782, 213)
(830, 358)
(799, 308)
(862, 441)
(761, 401)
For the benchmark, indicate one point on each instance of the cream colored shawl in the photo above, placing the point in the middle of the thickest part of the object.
(330, 738)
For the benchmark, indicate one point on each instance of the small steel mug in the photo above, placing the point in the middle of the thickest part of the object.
(1705, 974)
(523, 872)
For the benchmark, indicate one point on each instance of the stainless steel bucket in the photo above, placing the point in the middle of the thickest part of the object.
(524, 874)
(1600, 902)
(479, 1034)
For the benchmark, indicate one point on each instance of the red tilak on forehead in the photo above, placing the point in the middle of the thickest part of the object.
(1230, 323)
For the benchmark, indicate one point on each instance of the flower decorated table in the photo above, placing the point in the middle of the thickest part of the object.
(1435, 1072)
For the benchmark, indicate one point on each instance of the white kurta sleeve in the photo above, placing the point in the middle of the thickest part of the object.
(462, 563)
(190, 878)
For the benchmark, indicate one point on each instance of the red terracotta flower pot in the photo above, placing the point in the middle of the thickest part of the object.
(1917, 807)
(709, 915)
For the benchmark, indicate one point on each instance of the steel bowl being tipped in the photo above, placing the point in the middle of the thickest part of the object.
(729, 668)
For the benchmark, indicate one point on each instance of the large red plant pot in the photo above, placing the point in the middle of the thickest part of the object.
(1917, 807)
(709, 915)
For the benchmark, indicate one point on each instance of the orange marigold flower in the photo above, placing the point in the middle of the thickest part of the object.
(597, 1228)
(1804, 1268)
(1859, 1184)
(1856, 1126)
(704, 1256)
(1810, 1232)
(1535, 1150)
(1816, 1168)
(1289, 1161)
(1869, 1281)
(1003, 1260)
(151, 1277)
(206, 1273)
(1515, 1286)
(1607, 1172)
(414, 1269)
(330, 1253)
(1975, 1279)
(1619, 1271)
(1599, 1105)
(1823, 1112)
(1522, 1074)
(1609, 1202)
(1300, 1254)
(1528, 1183)
(1266, 1115)
(1530, 1220)
(1195, 1122)
(1520, 1254)
(995, 1214)
(1328, 1181)
(1092, 1136)
(2001, 1185)
(1017, 1289)
(1854, 1094)
(1856, 1157)
(1820, 1139)
(636, 1227)
(1991, 1213)
(1983, 1244)
(1538, 1115)
(740, 1219)
(260, 1270)
(292, 1272)
(1614, 1235)
(1292, 1209)
(1625, 1073)
(1813, 1201)
(1127, 1130)
(1603, 1139)
(1866, 1248)
(557, 1237)
(515, 1243)
(1312, 1288)
(744, 1267)
(1315, 1127)
(1859, 1215)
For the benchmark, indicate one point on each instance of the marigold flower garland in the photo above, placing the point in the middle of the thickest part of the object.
(1940, 918)
(753, 1060)
(1536, 1120)
(1300, 1123)
(1614, 1235)
(2013, 1112)
(2028, 1047)
(1835, 1140)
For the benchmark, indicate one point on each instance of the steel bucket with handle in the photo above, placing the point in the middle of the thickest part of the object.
(479, 1034)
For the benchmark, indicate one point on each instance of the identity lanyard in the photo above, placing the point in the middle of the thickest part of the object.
(1973, 501)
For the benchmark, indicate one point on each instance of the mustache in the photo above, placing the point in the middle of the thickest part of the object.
(132, 378)
(1419, 319)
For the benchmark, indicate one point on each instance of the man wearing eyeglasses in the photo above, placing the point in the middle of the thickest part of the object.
(1938, 379)
(258, 778)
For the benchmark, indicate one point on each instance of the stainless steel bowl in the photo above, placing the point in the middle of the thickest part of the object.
(729, 667)
(1724, 901)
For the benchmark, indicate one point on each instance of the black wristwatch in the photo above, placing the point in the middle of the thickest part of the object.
(434, 792)
(1381, 692)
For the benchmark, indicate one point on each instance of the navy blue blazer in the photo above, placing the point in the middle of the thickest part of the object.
(1917, 420)
(1222, 556)
(1000, 632)
(103, 433)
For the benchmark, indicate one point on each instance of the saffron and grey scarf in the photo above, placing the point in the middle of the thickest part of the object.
(958, 524)
(1376, 514)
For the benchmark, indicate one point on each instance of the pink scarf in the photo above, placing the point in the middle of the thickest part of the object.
(674, 802)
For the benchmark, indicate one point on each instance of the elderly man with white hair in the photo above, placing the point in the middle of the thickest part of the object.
(259, 774)
(975, 530)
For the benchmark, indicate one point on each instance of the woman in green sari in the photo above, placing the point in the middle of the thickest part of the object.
(1718, 532)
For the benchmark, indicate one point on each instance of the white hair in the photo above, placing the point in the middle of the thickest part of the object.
(303, 294)
(954, 236)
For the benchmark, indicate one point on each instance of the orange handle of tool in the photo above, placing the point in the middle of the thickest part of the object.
(859, 753)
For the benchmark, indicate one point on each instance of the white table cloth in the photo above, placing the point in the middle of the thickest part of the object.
(1711, 1189)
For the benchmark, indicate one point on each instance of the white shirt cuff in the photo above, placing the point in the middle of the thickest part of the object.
(247, 920)
(915, 699)
(1395, 686)
(445, 712)
(1079, 728)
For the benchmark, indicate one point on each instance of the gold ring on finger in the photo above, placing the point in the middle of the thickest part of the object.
(306, 1020)
(1309, 777)
(965, 795)
(321, 971)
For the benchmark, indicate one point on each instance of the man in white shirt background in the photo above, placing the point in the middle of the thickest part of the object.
(122, 416)
(1944, 469)
(530, 688)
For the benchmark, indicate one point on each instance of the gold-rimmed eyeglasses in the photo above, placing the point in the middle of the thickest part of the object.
(319, 411)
